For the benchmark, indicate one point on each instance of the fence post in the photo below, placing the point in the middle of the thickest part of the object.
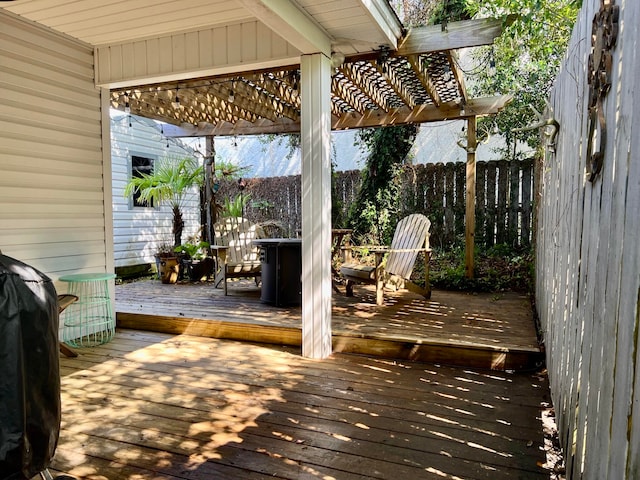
(470, 217)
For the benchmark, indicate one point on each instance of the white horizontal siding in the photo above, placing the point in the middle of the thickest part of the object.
(137, 232)
(52, 207)
(211, 51)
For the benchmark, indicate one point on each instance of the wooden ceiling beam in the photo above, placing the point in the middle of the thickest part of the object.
(462, 34)
(425, 79)
(259, 127)
(425, 113)
(399, 116)
(353, 72)
(454, 63)
(395, 83)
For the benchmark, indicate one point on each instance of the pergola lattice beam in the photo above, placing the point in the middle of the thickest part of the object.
(462, 34)
(420, 114)
(457, 74)
(353, 71)
(342, 87)
(423, 75)
(396, 84)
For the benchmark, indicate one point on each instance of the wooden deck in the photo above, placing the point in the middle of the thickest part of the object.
(162, 406)
(478, 330)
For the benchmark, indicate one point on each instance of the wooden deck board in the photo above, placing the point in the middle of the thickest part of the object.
(483, 330)
(153, 405)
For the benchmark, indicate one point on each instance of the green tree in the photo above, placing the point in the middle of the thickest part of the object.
(171, 181)
(523, 61)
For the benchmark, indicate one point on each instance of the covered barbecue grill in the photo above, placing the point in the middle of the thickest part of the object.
(30, 376)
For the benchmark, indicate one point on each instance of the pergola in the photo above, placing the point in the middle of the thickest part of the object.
(421, 81)
(235, 67)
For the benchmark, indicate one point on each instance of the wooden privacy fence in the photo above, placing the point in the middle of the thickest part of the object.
(504, 200)
(588, 257)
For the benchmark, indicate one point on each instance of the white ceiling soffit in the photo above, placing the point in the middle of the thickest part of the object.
(348, 26)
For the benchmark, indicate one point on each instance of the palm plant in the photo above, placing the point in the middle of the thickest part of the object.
(172, 182)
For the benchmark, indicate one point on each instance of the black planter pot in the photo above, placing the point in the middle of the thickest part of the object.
(198, 270)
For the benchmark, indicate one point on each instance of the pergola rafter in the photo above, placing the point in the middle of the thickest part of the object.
(364, 76)
(396, 83)
(420, 67)
(344, 89)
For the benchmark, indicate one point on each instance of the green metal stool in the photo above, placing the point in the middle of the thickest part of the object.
(90, 321)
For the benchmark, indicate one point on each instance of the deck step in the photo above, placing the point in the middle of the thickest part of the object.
(453, 353)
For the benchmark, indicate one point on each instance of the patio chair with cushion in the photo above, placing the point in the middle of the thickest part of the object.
(235, 254)
(411, 237)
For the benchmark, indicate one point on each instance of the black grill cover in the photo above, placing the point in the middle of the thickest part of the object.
(29, 370)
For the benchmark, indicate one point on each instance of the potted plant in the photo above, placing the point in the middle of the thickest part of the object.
(167, 264)
(195, 260)
(172, 181)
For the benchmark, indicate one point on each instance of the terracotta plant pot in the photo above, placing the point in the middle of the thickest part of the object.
(169, 269)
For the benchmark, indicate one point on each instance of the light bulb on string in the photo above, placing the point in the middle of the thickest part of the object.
(176, 102)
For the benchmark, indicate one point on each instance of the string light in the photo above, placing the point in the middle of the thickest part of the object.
(232, 97)
(176, 101)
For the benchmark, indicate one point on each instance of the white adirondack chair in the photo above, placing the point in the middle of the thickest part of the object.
(236, 256)
(410, 238)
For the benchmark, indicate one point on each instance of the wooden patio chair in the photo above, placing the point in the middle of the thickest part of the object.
(235, 254)
(410, 238)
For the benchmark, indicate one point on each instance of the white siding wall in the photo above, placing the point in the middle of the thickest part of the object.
(211, 51)
(138, 231)
(52, 202)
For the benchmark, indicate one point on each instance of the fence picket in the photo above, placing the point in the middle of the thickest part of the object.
(491, 204)
(449, 227)
(481, 203)
(527, 202)
(513, 222)
(502, 206)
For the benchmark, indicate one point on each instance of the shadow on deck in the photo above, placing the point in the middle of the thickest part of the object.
(494, 331)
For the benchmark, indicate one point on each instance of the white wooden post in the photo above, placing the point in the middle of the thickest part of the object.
(315, 126)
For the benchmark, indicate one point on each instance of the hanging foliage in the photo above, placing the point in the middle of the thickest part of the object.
(374, 214)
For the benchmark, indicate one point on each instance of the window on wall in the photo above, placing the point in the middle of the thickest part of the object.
(140, 166)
